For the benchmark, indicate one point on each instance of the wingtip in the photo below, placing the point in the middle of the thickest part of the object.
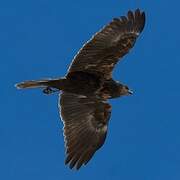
(138, 10)
(143, 19)
(67, 160)
(139, 16)
(143, 14)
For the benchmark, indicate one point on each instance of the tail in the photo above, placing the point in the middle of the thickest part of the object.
(54, 83)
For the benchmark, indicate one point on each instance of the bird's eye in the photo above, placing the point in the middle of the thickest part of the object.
(126, 87)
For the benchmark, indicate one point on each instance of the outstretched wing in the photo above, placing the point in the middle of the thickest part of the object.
(85, 127)
(102, 51)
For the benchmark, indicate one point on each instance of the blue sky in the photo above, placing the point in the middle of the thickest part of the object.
(38, 39)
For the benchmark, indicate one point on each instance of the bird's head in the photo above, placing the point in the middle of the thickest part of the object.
(124, 90)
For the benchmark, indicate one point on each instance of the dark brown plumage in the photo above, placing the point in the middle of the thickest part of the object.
(88, 85)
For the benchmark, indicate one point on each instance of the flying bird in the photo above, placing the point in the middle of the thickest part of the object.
(88, 84)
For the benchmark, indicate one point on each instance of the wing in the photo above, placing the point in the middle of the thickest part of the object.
(102, 51)
(85, 127)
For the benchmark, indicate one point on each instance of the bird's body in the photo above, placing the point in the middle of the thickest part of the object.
(88, 85)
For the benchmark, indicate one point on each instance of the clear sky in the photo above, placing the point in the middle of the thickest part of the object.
(38, 39)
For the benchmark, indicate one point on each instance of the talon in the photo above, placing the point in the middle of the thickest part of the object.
(47, 90)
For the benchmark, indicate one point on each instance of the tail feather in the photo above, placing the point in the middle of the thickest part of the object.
(55, 83)
(32, 84)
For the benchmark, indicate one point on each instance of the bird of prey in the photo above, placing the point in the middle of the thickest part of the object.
(88, 84)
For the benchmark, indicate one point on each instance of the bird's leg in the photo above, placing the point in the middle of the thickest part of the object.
(49, 90)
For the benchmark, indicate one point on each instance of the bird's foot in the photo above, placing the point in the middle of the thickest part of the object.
(49, 90)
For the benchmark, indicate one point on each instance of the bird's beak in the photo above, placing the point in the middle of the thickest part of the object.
(130, 92)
